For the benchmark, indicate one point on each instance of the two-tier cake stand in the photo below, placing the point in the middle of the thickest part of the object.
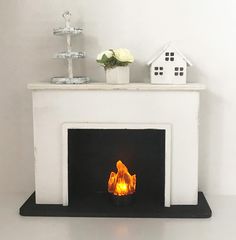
(69, 55)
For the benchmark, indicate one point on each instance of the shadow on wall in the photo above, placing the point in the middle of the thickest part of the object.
(210, 157)
(89, 66)
(194, 74)
(139, 72)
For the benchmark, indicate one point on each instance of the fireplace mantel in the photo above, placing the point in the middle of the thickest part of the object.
(99, 103)
(129, 87)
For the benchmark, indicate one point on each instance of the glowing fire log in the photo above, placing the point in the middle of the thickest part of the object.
(121, 183)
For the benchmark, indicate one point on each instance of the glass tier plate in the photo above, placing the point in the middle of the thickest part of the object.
(66, 31)
(67, 55)
(74, 80)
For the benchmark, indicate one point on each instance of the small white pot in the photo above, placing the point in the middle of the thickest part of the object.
(117, 75)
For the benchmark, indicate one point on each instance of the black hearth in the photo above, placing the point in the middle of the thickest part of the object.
(92, 155)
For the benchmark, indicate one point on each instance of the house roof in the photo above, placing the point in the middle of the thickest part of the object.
(170, 45)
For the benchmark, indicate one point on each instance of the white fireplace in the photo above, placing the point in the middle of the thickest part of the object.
(174, 108)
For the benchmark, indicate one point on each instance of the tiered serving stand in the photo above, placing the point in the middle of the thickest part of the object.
(69, 55)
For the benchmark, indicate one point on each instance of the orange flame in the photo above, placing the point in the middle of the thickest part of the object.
(121, 183)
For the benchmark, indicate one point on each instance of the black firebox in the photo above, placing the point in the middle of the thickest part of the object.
(93, 154)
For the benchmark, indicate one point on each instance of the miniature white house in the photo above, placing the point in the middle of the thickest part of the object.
(169, 67)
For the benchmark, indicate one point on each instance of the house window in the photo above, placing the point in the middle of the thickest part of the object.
(179, 71)
(169, 56)
(158, 71)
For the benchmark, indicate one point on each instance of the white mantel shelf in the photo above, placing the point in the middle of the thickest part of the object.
(128, 87)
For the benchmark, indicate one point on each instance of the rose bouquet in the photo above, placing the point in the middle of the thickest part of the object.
(115, 58)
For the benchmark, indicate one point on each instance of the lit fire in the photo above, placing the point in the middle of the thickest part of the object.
(121, 183)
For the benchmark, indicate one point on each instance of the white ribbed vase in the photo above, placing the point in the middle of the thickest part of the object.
(117, 75)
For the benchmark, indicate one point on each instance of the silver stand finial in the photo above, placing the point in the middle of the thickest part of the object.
(67, 15)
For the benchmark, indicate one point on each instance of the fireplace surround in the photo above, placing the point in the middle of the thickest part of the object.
(81, 131)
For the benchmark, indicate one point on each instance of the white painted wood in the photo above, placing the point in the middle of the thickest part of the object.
(67, 126)
(129, 87)
(53, 108)
(168, 138)
(169, 67)
(117, 75)
(65, 191)
(172, 47)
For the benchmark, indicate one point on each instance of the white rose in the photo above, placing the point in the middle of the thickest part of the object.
(108, 54)
(123, 55)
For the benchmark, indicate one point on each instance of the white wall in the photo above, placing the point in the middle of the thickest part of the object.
(204, 30)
